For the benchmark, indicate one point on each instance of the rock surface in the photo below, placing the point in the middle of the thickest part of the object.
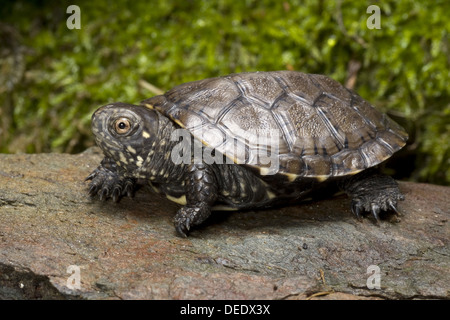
(52, 234)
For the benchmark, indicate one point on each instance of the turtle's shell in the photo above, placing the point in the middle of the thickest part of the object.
(322, 129)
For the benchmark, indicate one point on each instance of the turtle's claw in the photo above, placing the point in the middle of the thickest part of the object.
(116, 194)
(108, 184)
(357, 210)
(104, 194)
(189, 216)
(375, 204)
(91, 176)
(375, 209)
(93, 190)
(393, 207)
(129, 188)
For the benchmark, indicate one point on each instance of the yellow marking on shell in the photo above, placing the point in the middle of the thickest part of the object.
(322, 178)
(291, 177)
(145, 134)
(352, 173)
(181, 200)
(148, 105)
(264, 171)
(131, 149)
(178, 122)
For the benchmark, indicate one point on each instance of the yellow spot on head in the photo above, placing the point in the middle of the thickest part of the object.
(122, 158)
(131, 149)
(146, 135)
(150, 106)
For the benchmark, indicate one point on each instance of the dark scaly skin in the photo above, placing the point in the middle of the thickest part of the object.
(371, 191)
(202, 189)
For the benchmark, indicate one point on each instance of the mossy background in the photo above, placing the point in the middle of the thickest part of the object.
(53, 78)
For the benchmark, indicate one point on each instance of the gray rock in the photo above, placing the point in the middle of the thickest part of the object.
(52, 233)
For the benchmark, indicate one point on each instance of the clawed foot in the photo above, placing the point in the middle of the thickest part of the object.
(375, 203)
(189, 216)
(107, 184)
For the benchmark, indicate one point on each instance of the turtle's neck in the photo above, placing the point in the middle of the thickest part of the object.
(159, 167)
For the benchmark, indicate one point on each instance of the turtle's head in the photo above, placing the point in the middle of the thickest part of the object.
(126, 133)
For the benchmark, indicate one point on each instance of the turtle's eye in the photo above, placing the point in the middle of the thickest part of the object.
(122, 125)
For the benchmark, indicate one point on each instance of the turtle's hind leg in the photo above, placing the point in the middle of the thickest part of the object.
(373, 192)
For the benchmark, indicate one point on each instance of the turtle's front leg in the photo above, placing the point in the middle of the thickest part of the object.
(201, 193)
(106, 182)
(373, 192)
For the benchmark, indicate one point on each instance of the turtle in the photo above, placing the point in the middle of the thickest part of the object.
(262, 139)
